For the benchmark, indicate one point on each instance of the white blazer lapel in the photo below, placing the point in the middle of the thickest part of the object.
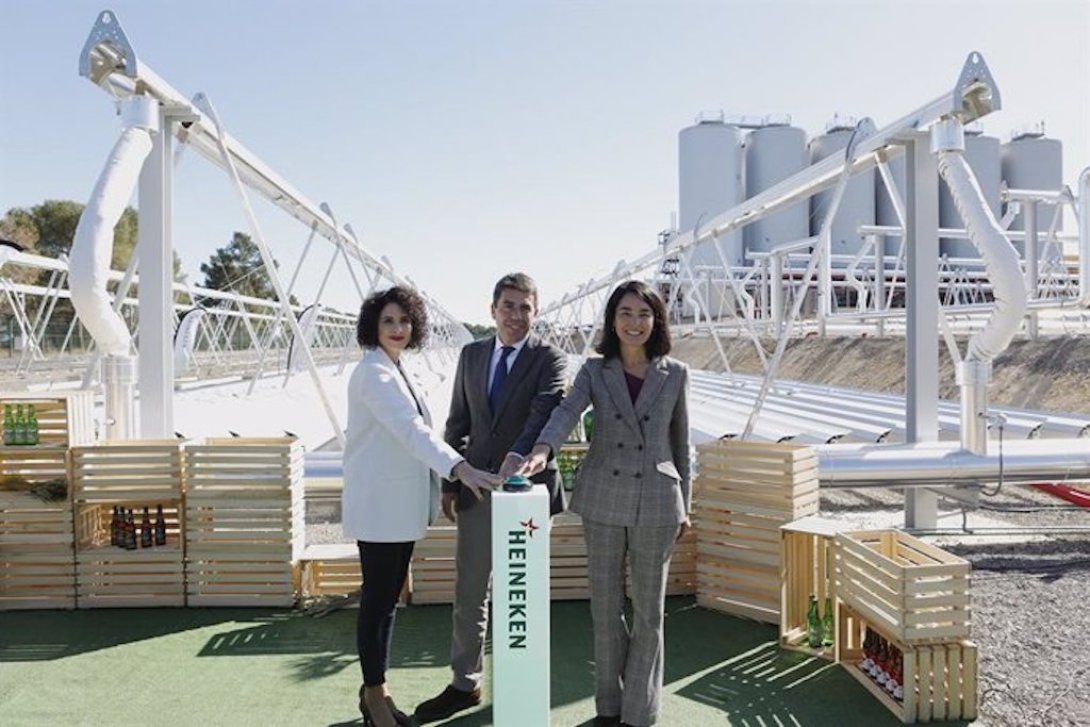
(379, 356)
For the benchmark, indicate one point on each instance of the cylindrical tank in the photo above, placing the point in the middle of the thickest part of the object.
(1031, 161)
(710, 158)
(982, 153)
(885, 213)
(774, 153)
(857, 204)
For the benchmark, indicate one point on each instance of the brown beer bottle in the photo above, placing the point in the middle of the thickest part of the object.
(160, 526)
(130, 531)
(145, 530)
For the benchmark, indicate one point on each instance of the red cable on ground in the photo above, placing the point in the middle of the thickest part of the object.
(1071, 494)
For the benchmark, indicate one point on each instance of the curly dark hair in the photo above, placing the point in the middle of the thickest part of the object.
(409, 300)
(659, 342)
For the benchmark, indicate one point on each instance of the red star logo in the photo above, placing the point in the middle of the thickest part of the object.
(530, 527)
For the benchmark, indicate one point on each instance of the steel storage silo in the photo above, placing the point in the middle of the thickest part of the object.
(982, 153)
(885, 213)
(774, 153)
(710, 160)
(1032, 161)
(857, 204)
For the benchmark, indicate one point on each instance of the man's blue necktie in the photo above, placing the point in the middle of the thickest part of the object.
(498, 378)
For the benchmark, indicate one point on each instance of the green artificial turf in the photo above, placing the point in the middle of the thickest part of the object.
(162, 667)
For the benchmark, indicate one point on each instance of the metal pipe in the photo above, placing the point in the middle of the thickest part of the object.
(119, 376)
(1084, 238)
(942, 463)
(1032, 257)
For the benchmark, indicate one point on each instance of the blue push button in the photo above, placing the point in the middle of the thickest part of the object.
(517, 483)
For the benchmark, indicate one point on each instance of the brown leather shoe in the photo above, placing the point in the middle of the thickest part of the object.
(449, 702)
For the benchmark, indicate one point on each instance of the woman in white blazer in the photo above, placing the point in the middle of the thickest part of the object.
(392, 464)
(632, 492)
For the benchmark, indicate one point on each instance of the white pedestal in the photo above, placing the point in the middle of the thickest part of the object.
(520, 608)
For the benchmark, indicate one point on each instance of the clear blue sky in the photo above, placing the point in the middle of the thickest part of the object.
(467, 139)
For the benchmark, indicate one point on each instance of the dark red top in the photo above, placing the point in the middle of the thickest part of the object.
(635, 383)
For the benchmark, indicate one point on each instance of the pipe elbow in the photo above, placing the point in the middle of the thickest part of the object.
(999, 256)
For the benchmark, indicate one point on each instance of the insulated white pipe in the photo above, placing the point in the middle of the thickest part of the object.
(1084, 238)
(999, 257)
(92, 248)
(1003, 270)
(946, 463)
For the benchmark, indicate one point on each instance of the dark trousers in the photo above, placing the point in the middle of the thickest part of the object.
(384, 567)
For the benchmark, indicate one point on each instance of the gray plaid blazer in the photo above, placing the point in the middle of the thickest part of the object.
(636, 471)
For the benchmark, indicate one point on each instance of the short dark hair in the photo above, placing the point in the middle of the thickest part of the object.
(659, 342)
(409, 300)
(516, 281)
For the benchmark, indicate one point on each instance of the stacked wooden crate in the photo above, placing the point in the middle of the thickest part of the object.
(244, 521)
(743, 493)
(330, 569)
(916, 597)
(567, 559)
(37, 559)
(37, 563)
(806, 569)
(432, 570)
(136, 475)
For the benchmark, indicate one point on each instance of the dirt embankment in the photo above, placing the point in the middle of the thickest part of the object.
(1049, 374)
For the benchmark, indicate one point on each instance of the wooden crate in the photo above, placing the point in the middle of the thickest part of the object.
(111, 577)
(37, 561)
(913, 590)
(23, 466)
(806, 568)
(65, 418)
(431, 572)
(682, 576)
(244, 521)
(136, 474)
(568, 559)
(940, 680)
(742, 495)
(331, 570)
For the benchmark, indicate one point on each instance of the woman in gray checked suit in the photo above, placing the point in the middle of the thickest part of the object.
(632, 491)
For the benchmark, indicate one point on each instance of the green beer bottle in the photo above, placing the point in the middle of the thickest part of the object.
(813, 624)
(32, 426)
(9, 425)
(18, 435)
(588, 424)
(827, 623)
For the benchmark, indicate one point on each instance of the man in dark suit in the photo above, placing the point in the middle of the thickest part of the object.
(504, 391)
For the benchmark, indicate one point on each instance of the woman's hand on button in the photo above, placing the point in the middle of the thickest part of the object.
(535, 462)
(478, 481)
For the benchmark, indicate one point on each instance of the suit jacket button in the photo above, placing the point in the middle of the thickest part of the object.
(616, 472)
(620, 445)
(647, 417)
(639, 447)
(638, 475)
(617, 416)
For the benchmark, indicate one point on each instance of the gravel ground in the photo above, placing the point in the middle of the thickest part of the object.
(1029, 596)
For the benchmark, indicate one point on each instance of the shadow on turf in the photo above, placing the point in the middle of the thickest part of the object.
(45, 635)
